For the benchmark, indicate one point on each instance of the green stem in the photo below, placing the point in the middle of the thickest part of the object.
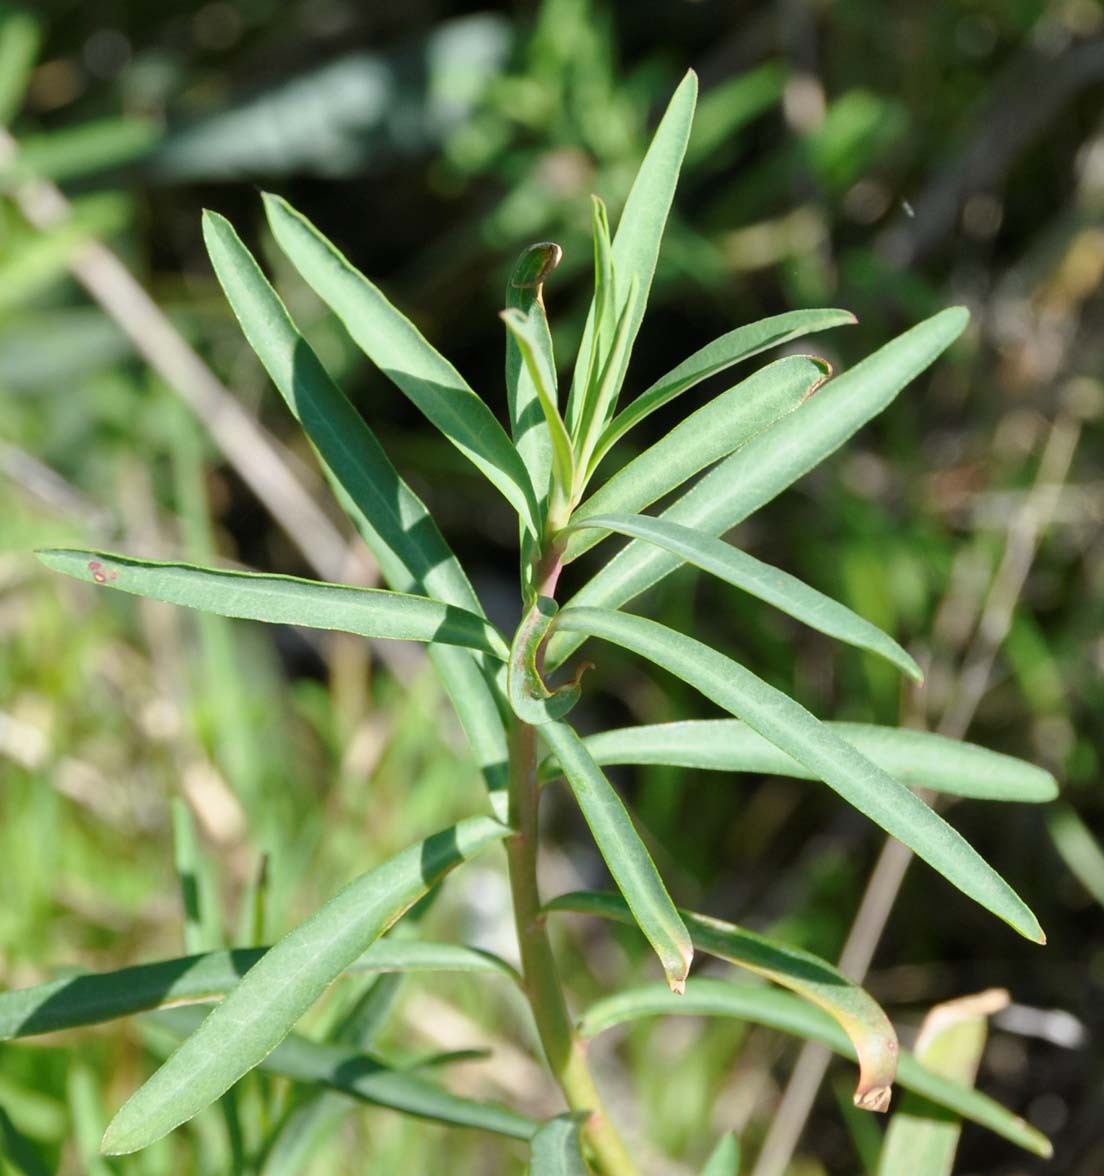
(566, 1054)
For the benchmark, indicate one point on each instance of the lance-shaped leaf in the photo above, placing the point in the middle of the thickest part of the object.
(725, 1159)
(785, 592)
(94, 997)
(710, 997)
(624, 853)
(365, 1077)
(557, 1147)
(640, 230)
(922, 1138)
(716, 357)
(789, 726)
(404, 355)
(286, 981)
(285, 600)
(528, 336)
(711, 433)
(919, 759)
(812, 978)
(771, 461)
(394, 522)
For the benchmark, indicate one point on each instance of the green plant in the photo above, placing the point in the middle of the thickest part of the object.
(756, 438)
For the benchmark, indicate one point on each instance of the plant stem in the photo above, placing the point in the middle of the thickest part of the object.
(565, 1052)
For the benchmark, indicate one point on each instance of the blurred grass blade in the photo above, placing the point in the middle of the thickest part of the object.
(916, 758)
(785, 592)
(364, 1077)
(864, 1131)
(922, 1138)
(20, 37)
(624, 854)
(556, 1148)
(725, 1158)
(88, 1117)
(812, 978)
(20, 1155)
(716, 357)
(529, 339)
(403, 354)
(91, 998)
(640, 229)
(709, 997)
(285, 982)
(789, 726)
(202, 932)
(1078, 848)
(706, 436)
(771, 461)
(400, 532)
(286, 600)
(90, 147)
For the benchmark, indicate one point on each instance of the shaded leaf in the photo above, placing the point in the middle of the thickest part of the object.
(809, 976)
(557, 1147)
(706, 996)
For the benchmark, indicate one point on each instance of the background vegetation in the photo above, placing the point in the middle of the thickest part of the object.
(890, 159)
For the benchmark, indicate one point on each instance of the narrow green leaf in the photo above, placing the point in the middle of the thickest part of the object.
(528, 337)
(785, 592)
(624, 853)
(556, 1148)
(530, 699)
(285, 982)
(92, 998)
(364, 1077)
(812, 978)
(706, 436)
(393, 520)
(916, 758)
(18, 1151)
(922, 1138)
(723, 353)
(706, 996)
(1078, 848)
(789, 726)
(528, 421)
(604, 308)
(85, 148)
(640, 230)
(202, 931)
(725, 1158)
(402, 353)
(20, 37)
(771, 461)
(368, 612)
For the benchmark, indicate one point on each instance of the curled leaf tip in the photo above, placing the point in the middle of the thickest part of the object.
(677, 986)
(876, 1098)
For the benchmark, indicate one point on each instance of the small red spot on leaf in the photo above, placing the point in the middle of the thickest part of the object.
(96, 569)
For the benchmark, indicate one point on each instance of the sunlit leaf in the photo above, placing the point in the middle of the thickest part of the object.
(403, 354)
(260, 1011)
(625, 855)
(776, 587)
(809, 976)
(368, 612)
(789, 726)
(771, 461)
(725, 1160)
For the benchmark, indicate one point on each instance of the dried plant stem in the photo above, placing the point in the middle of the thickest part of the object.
(254, 453)
(564, 1051)
(1024, 533)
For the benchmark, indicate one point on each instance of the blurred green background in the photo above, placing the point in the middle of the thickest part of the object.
(889, 158)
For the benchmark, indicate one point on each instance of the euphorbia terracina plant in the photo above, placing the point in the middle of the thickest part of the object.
(756, 438)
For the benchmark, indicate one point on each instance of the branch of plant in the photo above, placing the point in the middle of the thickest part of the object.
(1025, 532)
